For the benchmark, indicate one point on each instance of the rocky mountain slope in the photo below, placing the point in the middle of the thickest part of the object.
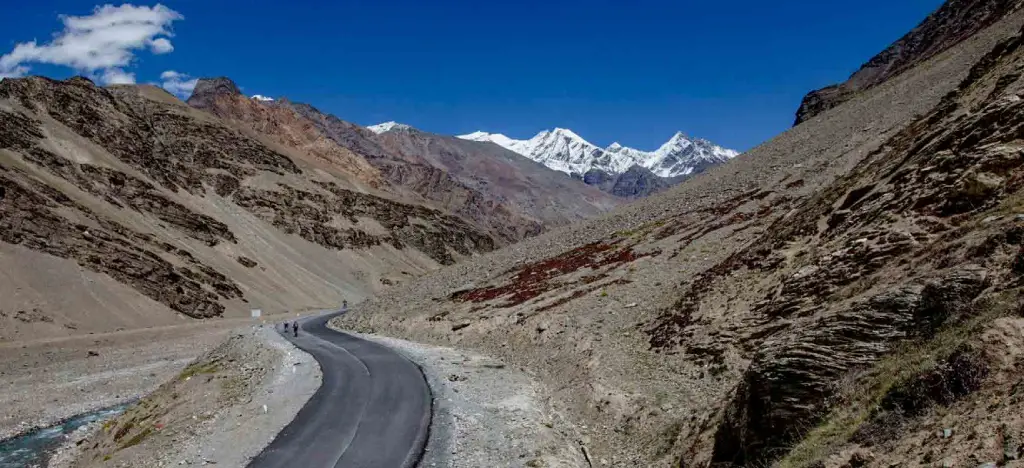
(503, 183)
(124, 207)
(276, 120)
(846, 294)
(499, 191)
(953, 22)
(563, 150)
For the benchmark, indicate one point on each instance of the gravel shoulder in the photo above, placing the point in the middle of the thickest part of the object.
(223, 408)
(489, 414)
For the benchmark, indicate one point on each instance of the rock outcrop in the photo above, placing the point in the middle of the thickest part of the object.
(636, 182)
(208, 90)
(953, 22)
(277, 120)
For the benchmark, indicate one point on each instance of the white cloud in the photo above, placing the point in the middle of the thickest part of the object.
(172, 75)
(16, 72)
(178, 84)
(160, 46)
(102, 43)
(117, 76)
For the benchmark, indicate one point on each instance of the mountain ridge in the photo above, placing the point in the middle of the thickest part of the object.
(566, 151)
(953, 22)
(511, 202)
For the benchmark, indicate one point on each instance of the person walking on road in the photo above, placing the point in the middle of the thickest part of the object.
(295, 329)
(286, 327)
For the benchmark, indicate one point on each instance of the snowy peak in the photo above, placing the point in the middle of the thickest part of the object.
(496, 138)
(569, 134)
(387, 127)
(563, 150)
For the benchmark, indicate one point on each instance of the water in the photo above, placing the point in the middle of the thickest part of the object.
(34, 448)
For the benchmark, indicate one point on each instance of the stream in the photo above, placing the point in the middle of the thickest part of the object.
(34, 448)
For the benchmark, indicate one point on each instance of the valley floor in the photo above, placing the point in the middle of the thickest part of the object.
(45, 381)
(485, 412)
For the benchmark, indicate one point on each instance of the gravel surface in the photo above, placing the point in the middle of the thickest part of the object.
(222, 409)
(488, 414)
(242, 431)
(46, 381)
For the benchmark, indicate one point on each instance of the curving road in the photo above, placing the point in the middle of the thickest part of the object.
(372, 410)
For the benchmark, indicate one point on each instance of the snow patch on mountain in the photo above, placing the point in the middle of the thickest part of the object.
(563, 150)
(387, 127)
(260, 97)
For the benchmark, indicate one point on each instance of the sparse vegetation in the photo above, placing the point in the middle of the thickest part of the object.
(538, 278)
(198, 369)
(137, 439)
(862, 395)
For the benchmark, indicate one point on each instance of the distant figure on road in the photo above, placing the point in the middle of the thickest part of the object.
(295, 329)
(344, 306)
(286, 327)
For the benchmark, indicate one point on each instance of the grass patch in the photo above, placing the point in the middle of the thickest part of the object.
(198, 369)
(137, 439)
(863, 392)
(124, 430)
(641, 231)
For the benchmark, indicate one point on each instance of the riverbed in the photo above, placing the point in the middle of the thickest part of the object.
(34, 448)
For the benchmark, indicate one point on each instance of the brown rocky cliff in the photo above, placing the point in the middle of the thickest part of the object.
(221, 97)
(953, 22)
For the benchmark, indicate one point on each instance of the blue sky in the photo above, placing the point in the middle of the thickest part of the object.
(634, 72)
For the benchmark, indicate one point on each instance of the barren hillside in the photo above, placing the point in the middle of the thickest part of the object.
(500, 191)
(835, 297)
(125, 207)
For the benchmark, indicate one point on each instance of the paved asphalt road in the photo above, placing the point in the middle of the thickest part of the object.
(373, 409)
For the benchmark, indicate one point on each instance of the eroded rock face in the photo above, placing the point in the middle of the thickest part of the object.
(792, 376)
(280, 121)
(163, 161)
(208, 90)
(314, 215)
(34, 216)
(908, 242)
(953, 22)
(173, 149)
(634, 183)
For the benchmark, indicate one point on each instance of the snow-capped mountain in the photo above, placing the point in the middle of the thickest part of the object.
(563, 150)
(683, 156)
(387, 127)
